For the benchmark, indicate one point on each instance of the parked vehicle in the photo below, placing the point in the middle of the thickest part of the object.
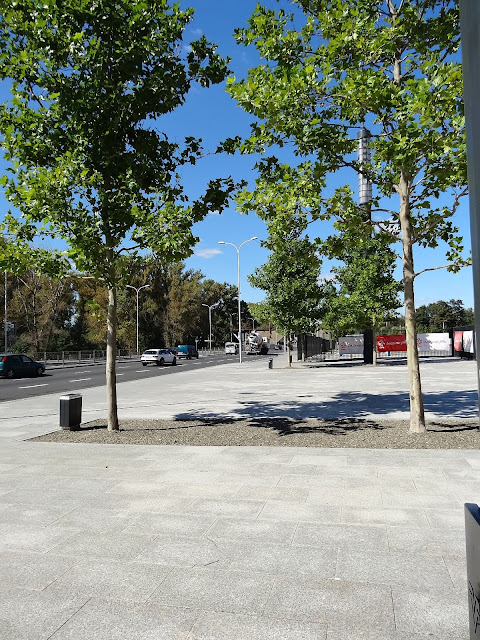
(158, 357)
(256, 344)
(187, 351)
(231, 348)
(18, 364)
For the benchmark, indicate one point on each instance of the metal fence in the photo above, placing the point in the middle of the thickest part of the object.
(63, 358)
(334, 355)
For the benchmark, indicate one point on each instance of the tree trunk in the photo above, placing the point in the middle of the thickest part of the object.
(374, 353)
(417, 414)
(112, 415)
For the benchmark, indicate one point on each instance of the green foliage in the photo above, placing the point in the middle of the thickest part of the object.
(290, 279)
(331, 65)
(365, 292)
(89, 82)
(443, 315)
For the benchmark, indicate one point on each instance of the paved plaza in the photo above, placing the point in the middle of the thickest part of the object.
(238, 543)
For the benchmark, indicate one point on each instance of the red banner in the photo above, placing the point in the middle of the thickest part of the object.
(458, 340)
(392, 343)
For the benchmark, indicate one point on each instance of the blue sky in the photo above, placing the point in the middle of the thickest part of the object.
(214, 116)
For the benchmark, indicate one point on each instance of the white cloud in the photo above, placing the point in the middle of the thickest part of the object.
(197, 32)
(207, 253)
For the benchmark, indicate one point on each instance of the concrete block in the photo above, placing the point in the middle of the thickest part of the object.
(333, 536)
(103, 546)
(255, 531)
(387, 516)
(295, 511)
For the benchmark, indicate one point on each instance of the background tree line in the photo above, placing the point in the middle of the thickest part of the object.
(70, 314)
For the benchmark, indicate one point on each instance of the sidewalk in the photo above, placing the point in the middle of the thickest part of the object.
(246, 543)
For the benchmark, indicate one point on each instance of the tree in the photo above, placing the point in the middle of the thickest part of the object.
(89, 81)
(392, 65)
(364, 292)
(441, 316)
(290, 279)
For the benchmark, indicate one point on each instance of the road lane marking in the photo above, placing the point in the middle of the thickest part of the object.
(120, 374)
(31, 386)
(141, 370)
(80, 380)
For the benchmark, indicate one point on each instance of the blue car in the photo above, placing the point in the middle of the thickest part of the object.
(18, 364)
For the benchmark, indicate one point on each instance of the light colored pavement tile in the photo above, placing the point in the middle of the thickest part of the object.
(178, 475)
(457, 568)
(96, 520)
(305, 562)
(437, 462)
(389, 568)
(371, 483)
(222, 507)
(27, 514)
(298, 512)
(320, 460)
(141, 487)
(220, 625)
(104, 546)
(84, 486)
(444, 616)
(366, 634)
(388, 516)
(21, 537)
(188, 552)
(430, 541)
(107, 620)
(248, 478)
(109, 580)
(346, 497)
(28, 570)
(410, 499)
(349, 471)
(136, 504)
(375, 460)
(255, 531)
(232, 591)
(409, 472)
(171, 524)
(32, 615)
(284, 494)
(447, 518)
(198, 490)
(311, 482)
(345, 605)
(335, 536)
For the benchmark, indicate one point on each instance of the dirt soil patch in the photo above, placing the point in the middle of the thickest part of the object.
(277, 432)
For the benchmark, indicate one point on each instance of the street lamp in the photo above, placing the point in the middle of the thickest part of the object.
(253, 323)
(137, 290)
(210, 307)
(239, 307)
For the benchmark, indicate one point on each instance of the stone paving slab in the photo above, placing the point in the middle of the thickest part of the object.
(252, 543)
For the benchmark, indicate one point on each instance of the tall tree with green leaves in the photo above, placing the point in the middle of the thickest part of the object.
(333, 65)
(290, 278)
(364, 291)
(89, 161)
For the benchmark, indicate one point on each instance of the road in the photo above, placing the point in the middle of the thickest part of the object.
(73, 379)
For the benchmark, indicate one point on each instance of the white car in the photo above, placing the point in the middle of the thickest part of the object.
(158, 357)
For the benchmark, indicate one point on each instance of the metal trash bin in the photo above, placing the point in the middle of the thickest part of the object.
(70, 411)
(472, 537)
(270, 363)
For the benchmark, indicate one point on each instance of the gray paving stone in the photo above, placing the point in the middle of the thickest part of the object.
(104, 546)
(109, 580)
(232, 591)
(406, 517)
(223, 507)
(410, 499)
(305, 562)
(107, 620)
(32, 615)
(22, 537)
(346, 497)
(299, 512)
(447, 518)
(333, 536)
(255, 531)
(457, 568)
(29, 570)
(97, 519)
(316, 457)
(410, 472)
(445, 541)
(247, 478)
(284, 494)
(345, 605)
(32, 515)
(220, 625)
(137, 504)
(188, 552)
(311, 482)
(393, 568)
(141, 487)
(200, 490)
(169, 524)
(443, 616)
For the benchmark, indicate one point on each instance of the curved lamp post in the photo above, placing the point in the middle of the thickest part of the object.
(137, 290)
(239, 308)
(210, 307)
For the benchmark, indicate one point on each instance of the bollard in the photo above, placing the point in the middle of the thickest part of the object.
(70, 411)
(270, 363)
(472, 537)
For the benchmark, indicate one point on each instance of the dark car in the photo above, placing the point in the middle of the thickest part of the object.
(18, 364)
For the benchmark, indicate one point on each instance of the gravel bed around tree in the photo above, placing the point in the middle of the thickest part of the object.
(277, 432)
